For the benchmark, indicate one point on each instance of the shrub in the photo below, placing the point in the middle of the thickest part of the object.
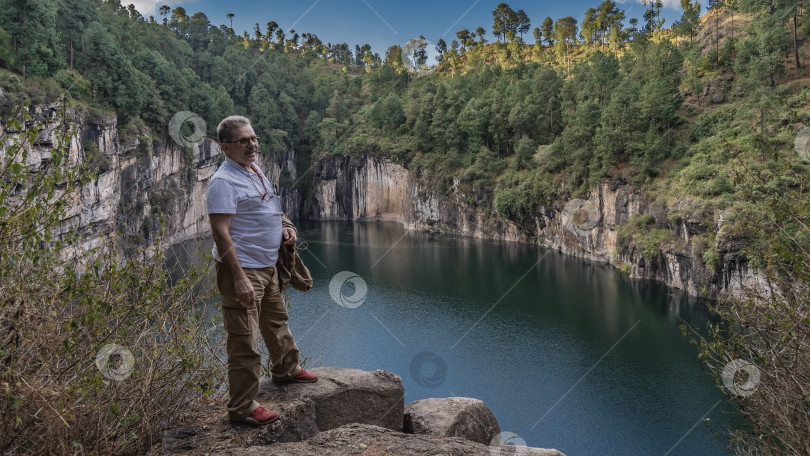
(710, 259)
(760, 348)
(73, 84)
(95, 159)
(65, 388)
(652, 242)
(640, 230)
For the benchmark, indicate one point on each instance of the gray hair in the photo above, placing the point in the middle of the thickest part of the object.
(228, 124)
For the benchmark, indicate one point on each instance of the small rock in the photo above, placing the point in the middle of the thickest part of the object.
(463, 417)
(718, 97)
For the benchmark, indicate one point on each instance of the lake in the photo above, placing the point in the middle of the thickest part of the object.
(567, 353)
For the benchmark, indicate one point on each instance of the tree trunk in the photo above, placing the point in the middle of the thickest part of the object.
(732, 39)
(568, 59)
(796, 43)
(717, 36)
(762, 125)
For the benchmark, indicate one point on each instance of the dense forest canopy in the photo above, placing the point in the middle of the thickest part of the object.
(590, 99)
(515, 115)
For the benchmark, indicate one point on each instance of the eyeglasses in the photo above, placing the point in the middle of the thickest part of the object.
(245, 141)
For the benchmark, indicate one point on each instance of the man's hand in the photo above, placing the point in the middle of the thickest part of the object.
(221, 232)
(244, 290)
(288, 236)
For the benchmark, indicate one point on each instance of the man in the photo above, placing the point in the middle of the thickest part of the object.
(248, 228)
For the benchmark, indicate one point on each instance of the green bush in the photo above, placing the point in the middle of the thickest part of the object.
(653, 242)
(709, 123)
(73, 84)
(14, 92)
(144, 146)
(97, 162)
(640, 230)
(710, 259)
(66, 389)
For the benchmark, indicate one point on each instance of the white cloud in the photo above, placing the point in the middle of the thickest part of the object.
(150, 7)
(145, 7)
(673, 4)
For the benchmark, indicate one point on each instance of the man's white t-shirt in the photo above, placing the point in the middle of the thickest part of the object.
(256, 222)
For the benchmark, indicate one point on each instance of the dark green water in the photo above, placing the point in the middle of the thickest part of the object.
(567, 353)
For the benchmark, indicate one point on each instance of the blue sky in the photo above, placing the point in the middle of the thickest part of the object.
(382, 23)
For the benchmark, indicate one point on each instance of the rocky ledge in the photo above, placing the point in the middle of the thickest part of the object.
(346, 412)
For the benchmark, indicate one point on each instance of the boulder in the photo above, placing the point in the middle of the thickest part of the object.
(463, 417)
(339, 397)
(346, 412)
(365, 439)
(718, 97)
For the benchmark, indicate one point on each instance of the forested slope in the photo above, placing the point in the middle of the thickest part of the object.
(522, 124)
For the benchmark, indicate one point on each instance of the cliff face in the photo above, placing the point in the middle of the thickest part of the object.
(370, 188)
(140, 186)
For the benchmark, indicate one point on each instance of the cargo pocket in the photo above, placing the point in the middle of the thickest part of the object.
(239, 320)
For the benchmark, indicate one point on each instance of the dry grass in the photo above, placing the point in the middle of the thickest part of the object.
(60, 393)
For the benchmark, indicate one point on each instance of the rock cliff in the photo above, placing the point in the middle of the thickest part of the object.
(372, 188)
(142, 190)
(141, 185)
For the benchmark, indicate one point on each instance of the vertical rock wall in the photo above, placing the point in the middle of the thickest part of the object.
(365, 188)
(142, 189)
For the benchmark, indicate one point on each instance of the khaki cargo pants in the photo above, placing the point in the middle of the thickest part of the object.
(268, 314)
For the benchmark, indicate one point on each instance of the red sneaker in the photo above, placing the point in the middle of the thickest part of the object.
(261, 416)
(302, 377)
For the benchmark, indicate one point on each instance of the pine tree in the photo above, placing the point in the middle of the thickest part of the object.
(32, 25)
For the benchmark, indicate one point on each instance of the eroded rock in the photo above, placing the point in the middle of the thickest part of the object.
(341, 396)
(463, 417)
